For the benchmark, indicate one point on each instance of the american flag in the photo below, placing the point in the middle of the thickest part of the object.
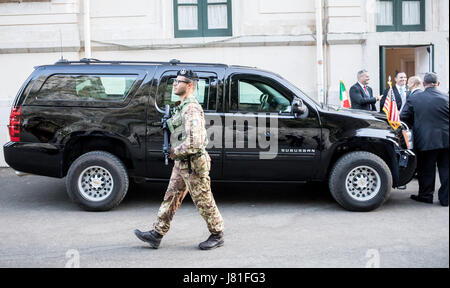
(391, 109)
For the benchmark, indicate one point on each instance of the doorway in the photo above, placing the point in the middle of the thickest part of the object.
(413, 60)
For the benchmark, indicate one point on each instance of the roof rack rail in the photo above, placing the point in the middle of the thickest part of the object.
(88, 60)
(172, 62)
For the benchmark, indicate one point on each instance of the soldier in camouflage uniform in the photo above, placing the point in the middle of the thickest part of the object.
(191, 169)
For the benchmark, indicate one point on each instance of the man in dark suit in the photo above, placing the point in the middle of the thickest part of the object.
(428, 112)
(400, 91)
(361, 95)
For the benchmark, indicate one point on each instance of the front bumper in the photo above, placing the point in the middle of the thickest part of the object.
(406, 165)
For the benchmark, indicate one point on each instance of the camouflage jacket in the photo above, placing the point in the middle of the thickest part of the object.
(187, 127)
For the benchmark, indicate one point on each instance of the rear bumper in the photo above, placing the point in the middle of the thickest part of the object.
(34, 158)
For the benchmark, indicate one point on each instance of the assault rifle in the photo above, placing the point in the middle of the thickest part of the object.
(166, 144)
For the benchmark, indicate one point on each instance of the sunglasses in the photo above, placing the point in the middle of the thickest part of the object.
(177, 81)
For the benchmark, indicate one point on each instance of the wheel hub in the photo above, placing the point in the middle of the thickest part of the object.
(363, 183)
(95, 183)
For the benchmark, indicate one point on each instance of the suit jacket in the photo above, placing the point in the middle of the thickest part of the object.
(360, 100)
(398, 98)
(428, 112)
(408, 94)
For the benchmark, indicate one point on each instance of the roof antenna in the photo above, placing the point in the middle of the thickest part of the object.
(62, 60)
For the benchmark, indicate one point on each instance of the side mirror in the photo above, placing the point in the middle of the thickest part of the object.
(298, 107)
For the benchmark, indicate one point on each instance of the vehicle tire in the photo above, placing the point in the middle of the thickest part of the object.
(97, 181)
(360, 181)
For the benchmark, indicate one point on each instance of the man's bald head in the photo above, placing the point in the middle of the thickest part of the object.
(414, 82)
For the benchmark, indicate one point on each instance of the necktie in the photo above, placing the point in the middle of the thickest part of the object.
(365, 89)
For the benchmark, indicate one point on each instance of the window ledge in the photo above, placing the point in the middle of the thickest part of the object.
(205, 42)
(346, 38)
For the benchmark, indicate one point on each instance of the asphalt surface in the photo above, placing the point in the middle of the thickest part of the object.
(276, 225)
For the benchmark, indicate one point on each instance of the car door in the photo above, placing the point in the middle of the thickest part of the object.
(207, 94)
(285, 148)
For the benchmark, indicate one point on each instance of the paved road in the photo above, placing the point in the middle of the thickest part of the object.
(266, 226)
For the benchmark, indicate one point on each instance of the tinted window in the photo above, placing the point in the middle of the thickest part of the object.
(86, 87)
(202, 93)
(256, 96)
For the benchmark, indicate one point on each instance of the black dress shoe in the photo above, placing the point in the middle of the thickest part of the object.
(445, 204)
(151, 237)
(213, 241)
(420, 199)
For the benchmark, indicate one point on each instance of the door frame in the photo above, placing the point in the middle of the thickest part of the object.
(382, 63)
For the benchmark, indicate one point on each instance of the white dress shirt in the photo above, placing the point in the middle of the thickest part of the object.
(402, 90)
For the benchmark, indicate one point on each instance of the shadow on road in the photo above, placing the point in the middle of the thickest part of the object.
(231, 193)
(37, 192)
(50, 193)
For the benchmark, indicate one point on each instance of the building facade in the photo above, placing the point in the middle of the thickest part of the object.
(382, 36)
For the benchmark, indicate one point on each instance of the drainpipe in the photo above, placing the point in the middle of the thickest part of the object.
(87, 29)
(325, 54)
(319, 53)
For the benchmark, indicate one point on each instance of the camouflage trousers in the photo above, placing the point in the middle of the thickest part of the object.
(199, 187)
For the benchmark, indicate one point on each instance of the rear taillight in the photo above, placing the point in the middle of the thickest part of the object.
(14, 124)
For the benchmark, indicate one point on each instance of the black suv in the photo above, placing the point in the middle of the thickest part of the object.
(97, 124)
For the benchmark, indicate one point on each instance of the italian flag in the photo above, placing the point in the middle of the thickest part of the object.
(343, 96)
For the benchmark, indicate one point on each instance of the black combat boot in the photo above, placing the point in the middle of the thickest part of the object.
(214, 241)
(151, 237)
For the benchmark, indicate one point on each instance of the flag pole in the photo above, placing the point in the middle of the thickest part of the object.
(390, 108)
